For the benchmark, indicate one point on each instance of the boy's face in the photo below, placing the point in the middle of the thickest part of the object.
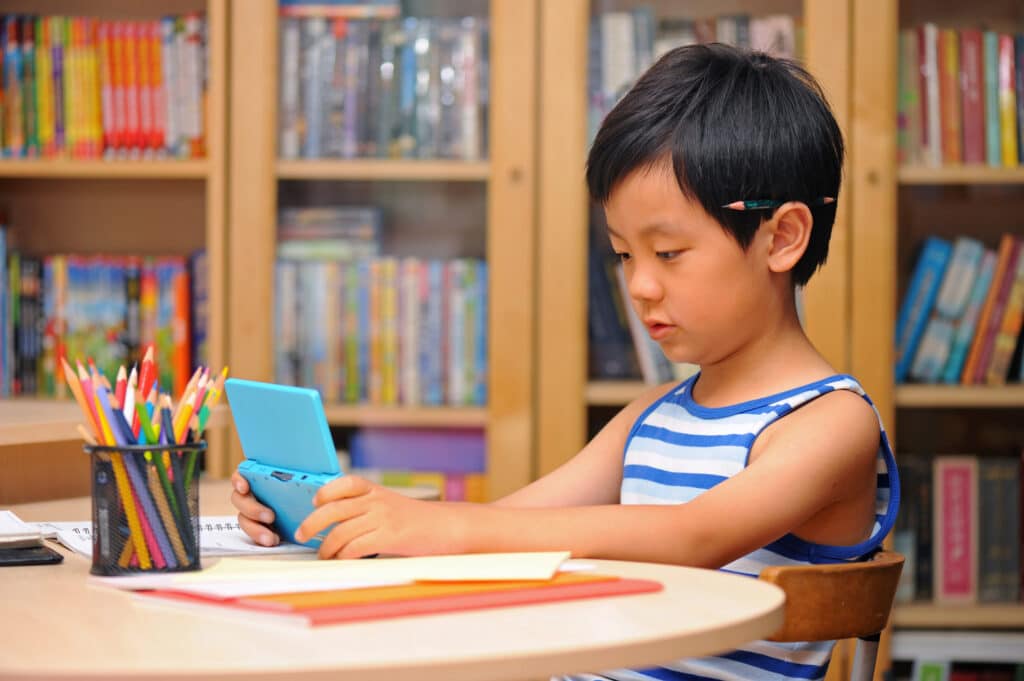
(699, 294)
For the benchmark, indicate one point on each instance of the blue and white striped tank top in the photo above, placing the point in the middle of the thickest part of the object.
(677, 449)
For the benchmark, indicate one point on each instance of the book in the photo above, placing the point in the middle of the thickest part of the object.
(981, 334)
(955, 514)
(909, 115)
(918, 302)
(990, 54)
(373, 603)
(965, 326)
(949, 96)
(1008, 329)
(999, 529)
(950, 304)
(1007, 102)
(972, 77)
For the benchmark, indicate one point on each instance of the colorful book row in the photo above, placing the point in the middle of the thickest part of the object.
(624, 43)
(383, 331)
(378, 88)
(101, 307)
(960, 320)
(961, 97)
(960, 529)
(89, 88)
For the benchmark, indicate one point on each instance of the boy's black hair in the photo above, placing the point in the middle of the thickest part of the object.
(737, 125)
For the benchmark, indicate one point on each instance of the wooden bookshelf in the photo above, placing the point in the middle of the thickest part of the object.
(144, 206)
(981, 616)
(429, 417)
(25, 421)
(384, 169)
(38, 421)
(493, 199)
(613, 393)
(962, 396)
(75, 169)
(924, 175)
(895, 207)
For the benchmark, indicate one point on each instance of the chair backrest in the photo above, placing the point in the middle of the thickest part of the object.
(839, 600)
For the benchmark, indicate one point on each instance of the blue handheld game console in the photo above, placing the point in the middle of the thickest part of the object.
(289, 453)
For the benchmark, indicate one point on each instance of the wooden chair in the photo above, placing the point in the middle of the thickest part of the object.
(840, 600)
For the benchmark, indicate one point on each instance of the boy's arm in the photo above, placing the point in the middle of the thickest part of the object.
(823, 457)
(594, 475)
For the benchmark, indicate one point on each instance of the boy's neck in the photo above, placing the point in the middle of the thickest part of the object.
(778, 358)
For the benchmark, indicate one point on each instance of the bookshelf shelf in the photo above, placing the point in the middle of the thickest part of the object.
(613, 393)
(933, 616)
(27, 420)
(432, 417)
(969, 396)
(73, 169)
(924, 175)
(382, 169)
(971, 646)
(24, 421)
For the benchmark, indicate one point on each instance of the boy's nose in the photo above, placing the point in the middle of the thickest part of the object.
(642, 285)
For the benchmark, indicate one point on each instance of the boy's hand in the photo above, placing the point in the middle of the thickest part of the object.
(253, 517)
(372, 519)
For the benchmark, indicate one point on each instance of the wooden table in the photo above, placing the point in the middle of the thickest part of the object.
(55, 625)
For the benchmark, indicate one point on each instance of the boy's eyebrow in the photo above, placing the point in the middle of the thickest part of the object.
(662, 227)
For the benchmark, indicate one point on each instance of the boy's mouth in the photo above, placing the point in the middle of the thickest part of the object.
(657, 330)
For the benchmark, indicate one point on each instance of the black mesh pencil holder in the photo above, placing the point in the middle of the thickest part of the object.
(145, 508)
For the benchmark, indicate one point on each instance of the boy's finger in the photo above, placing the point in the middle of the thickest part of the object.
(341, 488)
(240, 484)
(250, 508)
(326, 515)
(341, 535)
(258, 532)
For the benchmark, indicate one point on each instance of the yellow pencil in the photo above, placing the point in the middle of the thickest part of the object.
(76, 390)
(124, 488)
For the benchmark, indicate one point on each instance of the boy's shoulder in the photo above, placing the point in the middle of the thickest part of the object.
(841, 419)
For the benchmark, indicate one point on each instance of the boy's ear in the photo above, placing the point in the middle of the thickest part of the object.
(790, 230)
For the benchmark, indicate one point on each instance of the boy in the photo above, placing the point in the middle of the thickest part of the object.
(718, 173)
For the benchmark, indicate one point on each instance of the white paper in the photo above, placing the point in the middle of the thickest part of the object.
(12, 524)
(234, 577)
(14, 532)
(218, 536)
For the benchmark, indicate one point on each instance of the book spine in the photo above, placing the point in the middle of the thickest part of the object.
(145, 72)
(289, 138)
(949, 96)
(409, 340)
(932, 351)
(30, 112)
(456, 331)
(1007, 102)
(990, 44)
(1018, 69)
(917, 304)
(956, 529)
(1002, 263)
(909, 116)
(1008, 331)
(480, 370)
(995, 320)
(169, 63)
(44, 87)
(158, 87)
(967, 323)
(353, 375)
(932, 97)
(390, 369)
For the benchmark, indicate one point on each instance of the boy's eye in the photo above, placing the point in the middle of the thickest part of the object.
(668, 255)
(622, 256)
